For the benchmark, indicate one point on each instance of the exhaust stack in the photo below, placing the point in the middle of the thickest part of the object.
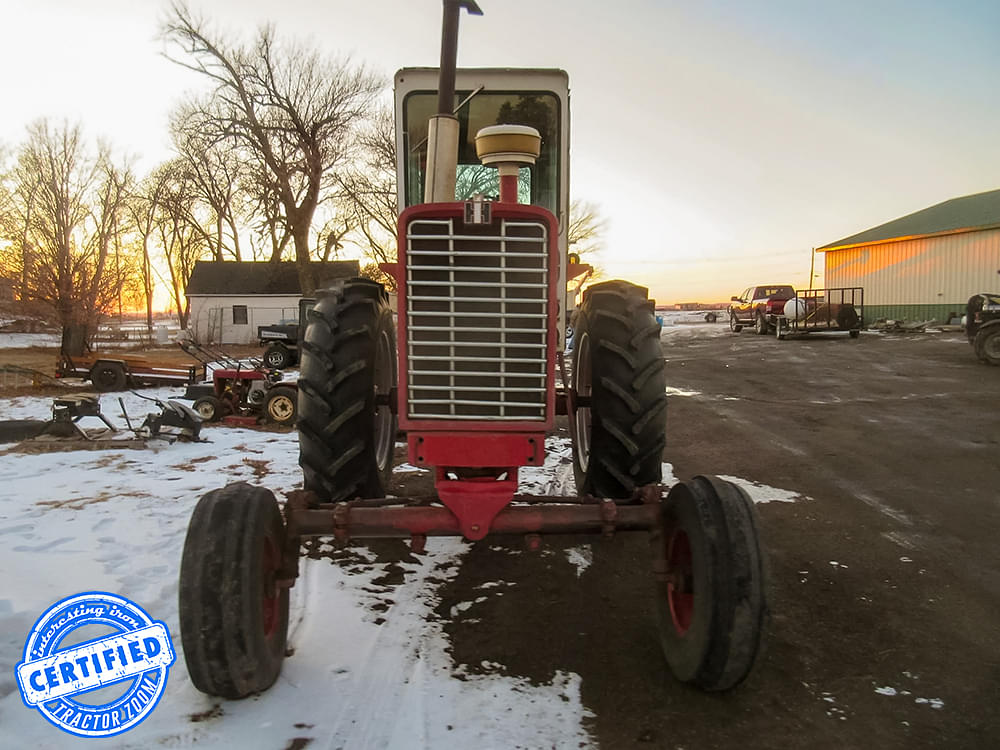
(442, 129)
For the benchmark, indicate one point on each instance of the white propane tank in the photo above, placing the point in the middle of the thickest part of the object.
(795, 309)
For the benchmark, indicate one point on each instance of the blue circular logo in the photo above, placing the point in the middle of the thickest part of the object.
(95, 664)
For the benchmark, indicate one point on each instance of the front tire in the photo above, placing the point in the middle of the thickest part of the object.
(347, 430)
(734, 323)
(710, 590)
(233, 613)
(618, 438)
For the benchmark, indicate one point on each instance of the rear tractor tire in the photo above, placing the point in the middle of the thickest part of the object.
(710, 590)
(347, 429)
(233, 613)
(619, 431)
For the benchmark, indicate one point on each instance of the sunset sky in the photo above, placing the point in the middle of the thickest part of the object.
(721, 140)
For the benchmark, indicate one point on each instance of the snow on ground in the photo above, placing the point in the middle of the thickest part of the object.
(24, 340)
(371, 665)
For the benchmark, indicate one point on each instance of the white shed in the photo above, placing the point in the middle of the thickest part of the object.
(229, 299)
(923, 266)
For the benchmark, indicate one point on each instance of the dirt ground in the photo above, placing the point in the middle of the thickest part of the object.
(887, 577)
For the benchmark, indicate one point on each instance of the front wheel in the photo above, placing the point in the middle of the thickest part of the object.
(710, 589)
(618, 422)
(347, 428)
(734, 323)
(233, 612)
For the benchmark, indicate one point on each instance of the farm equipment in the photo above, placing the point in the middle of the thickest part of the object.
(471, 376)
(240, 393)
(812, 310)
(982, 326)
(122, 372)
(284, 340)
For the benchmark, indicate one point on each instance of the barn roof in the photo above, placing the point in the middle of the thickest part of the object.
(260, 277)
(966, 214)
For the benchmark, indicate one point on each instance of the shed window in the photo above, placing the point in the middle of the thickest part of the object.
(239, 315)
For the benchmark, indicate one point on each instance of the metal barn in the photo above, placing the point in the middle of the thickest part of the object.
(923, 266)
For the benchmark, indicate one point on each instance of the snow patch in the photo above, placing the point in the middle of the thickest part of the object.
(761, 493)
(581, 557)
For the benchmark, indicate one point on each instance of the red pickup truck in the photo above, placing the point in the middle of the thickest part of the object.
(759, 306)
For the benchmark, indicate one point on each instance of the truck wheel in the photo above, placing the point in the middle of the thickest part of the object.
(209, 408)
(277, 357)
(734, 324)
(280, 405)
(710, 589)
(987, 345)
(108, 376)
(760, 325)
(233, 613)
(347, 430)
(619, 431)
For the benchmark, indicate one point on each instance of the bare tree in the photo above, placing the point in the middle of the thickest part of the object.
(68, 204)
(215, 173)
(585, 234)
(368, 190)
(290, 111)
(182, 239)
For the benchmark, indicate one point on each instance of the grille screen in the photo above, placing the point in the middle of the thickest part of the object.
(476, 320)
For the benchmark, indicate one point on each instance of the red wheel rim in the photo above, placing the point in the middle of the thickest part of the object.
(680, 585)
(269, 590)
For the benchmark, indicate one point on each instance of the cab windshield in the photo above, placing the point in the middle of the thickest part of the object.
(537, 185)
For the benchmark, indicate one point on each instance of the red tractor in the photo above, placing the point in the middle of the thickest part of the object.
(471, 377)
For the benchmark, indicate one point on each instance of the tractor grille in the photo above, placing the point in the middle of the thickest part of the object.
(477, 320)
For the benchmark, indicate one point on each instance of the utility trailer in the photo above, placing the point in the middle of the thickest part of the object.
(471, 376)
(835, 309)
(122, 372)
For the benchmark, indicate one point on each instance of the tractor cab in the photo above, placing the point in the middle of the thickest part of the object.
(486, 97)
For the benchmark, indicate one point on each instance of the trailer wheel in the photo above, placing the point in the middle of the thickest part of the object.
(847, 317)
(760, 325)
(710, 589)
(233, 613)
(108, 376)
(277, 357)
(854, 333)
(987, 345)
(280, 405)
(620, 430)
(734, 323)
(347, 429)
(209, 408)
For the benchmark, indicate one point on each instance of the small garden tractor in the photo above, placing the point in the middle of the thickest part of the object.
(471, 377)
(240, 394)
